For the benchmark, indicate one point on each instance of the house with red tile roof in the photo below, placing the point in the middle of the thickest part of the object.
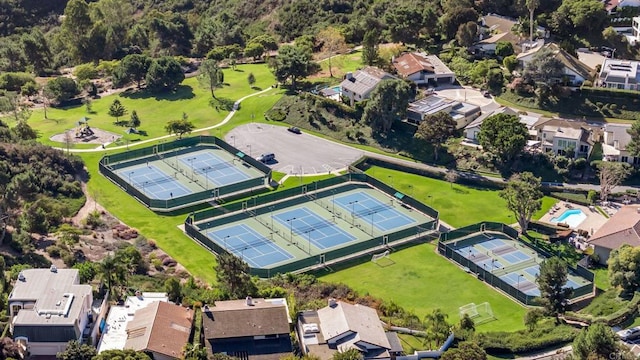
(622, 228)
(423, 69)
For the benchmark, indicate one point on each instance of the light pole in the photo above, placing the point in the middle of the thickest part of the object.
(353, 211)
(225, 242)
(309, 238)
(190, 160)
(143, 185)
(132, 172)
(233, 137)
(206, 176)
(372, 214)
(333, 201)
(519, 276)
(271, 209)
(411, 190)
(290, 221)
(249, 146)
(390, 180)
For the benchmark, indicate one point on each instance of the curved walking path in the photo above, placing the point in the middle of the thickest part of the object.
(130, 145)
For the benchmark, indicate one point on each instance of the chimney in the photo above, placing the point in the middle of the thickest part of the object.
(349, 75)
(249, 301)
(138, 294)
(53, 269)
(332, 302)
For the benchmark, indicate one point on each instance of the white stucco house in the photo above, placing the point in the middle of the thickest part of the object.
(359, 85)
(564, 137)
(463, 113)
(620, 74)
(614, 146)
(574, 71)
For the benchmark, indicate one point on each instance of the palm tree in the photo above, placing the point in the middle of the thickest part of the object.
(532, 5)
(436, 327)
(112, 272)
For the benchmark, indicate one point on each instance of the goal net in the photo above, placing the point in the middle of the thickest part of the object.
(382, 255)
(480, 313)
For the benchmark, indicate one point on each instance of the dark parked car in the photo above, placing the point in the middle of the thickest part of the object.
(295, 130)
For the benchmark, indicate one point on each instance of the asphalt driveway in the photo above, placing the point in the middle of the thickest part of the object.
(295, 153)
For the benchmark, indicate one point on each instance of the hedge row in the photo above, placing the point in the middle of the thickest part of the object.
(609, 93)
(614, 319)
(525, 341)
(578, 198)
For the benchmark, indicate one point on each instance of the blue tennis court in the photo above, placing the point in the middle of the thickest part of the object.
(493, 244)
(153, 182)
(515, 257)
(490, 264)
(521, 283)
(217, 170)
(247, 244)
(309, 226)
(468, 251)
(382, 215)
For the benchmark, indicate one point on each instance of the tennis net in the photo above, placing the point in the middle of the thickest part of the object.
(157, 181)
(218, 166)
(372, 210)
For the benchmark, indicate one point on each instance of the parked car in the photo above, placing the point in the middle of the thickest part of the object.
(629, 334)
(295, 130)
(266, 157)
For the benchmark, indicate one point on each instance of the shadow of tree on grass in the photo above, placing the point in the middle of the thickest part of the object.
(182, 92)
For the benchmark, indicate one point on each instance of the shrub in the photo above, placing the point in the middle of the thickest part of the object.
(13, 81)
(86, 71)
(525, 341)
(54, 251)
(277, 115)
(93, 220)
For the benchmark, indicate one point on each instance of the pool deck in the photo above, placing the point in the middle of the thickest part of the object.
(592, 223)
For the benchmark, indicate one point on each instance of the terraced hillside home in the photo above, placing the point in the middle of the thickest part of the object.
(48, 308)
(359, 85)
(614, 146)
(619, 74)
(494, 28)
(423, 69)
(472, 130)
(250, 329)
(564, 137)
(341, 326)
(463, 113)
(622, 228)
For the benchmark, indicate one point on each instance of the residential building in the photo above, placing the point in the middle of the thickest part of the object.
(48, 308)
(463, 113)
(614, 146)
(472, 130)
(619, 74)
(250, 329)
(612, 6)
(341, 326)
(574, 71)
(635, 30)
(622, 228)
(359, 85)
(493, 24)
(114, 333)
(487, 44)
(564, 137)
(423, 69)
(161, 329)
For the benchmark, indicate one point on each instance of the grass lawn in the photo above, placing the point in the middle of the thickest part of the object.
(155, 111)
(605, 304)
(340, 65)
(458, 205)
(421, 280)
(602, 278)
(410, 343)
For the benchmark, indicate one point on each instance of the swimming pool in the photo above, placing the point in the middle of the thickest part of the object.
(337, 89)
(571, 217)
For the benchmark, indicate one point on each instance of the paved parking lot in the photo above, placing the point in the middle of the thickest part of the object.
(295, 153)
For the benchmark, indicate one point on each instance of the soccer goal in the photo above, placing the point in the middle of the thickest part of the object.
(382, 259)
(480, 314)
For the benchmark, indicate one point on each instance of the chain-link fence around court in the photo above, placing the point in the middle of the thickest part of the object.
(262, 205)
(110, 163)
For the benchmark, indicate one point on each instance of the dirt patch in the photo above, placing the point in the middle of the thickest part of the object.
(80, 135)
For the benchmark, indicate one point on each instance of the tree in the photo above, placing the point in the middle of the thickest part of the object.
(197, 352)
(75, 28)
(436, 327)
(544, 67)
(117, 110)
(623, 268)
(332, 42)
(458, 14)
(10, 103)
(552, 281)
(532, 5)
(611, 174)
(503, 135)
(165, 74)
(532, 317)
(292, 63)
(504, 49)
(127, 354)
(523, 195)
(134, 67)
(598, 341)
(233, 276)
(10, 349)
(436, 129)
(134, 122)
(451, 176)
(350, 354)
(210, 76)
(466, 34)
(370, 43)
(254, 50)
(77, 351)
(113, 273)
(388, 103)
(61, 88)
(36, 50)
(87, 271)
(179, 127)
(173, 289)
(510, 63)
(578, 16)
(251, 79)
(465, 351)
(406, 22)
(633, 147)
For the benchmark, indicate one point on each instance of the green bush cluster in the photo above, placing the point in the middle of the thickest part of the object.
(613, 319)
(525, 341)
(13, 81)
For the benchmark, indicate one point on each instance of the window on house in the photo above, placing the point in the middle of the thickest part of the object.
(584, 148)
(562, 144)
(625, 159)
